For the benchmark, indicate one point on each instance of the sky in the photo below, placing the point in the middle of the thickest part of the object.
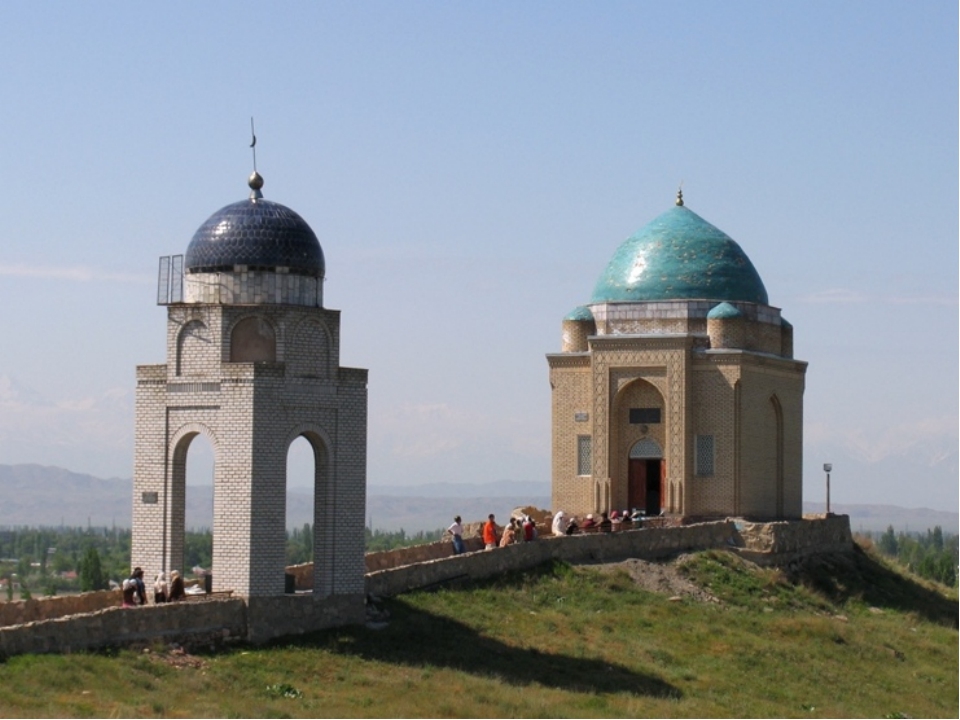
(469, 169)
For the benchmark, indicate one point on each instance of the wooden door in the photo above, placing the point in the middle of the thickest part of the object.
(637, 484)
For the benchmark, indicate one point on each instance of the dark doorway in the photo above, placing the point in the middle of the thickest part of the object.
(644, 483)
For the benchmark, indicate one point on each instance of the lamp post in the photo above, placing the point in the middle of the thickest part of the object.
(827, 467)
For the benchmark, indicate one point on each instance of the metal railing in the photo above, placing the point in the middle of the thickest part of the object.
(170, 280)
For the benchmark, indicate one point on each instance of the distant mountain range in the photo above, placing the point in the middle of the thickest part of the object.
(37, 495)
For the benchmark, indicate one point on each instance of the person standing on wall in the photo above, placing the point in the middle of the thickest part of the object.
(456, 530)
(489, 533)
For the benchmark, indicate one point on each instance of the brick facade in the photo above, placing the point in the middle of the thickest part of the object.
(728, 386)
(252, 364)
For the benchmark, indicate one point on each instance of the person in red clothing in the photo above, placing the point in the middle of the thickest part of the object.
(490, 533)
(529, 529)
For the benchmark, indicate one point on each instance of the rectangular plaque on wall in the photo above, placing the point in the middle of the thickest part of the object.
(581, 417)
(149, 498)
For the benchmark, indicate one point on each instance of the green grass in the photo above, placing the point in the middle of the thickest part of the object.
(831, 638)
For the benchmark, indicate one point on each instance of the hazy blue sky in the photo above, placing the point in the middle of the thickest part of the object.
(469, 170)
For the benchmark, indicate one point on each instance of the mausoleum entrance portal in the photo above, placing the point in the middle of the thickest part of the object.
(646, 473)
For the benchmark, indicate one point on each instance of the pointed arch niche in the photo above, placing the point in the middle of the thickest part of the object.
(190, 505)
(310, 520)
(639, 426)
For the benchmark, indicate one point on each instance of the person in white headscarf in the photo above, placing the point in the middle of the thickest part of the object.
(560, 523)
(160, 589)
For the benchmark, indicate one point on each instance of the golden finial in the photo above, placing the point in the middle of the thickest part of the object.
(680, 195)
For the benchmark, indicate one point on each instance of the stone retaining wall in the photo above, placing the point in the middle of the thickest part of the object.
(782, 542)
(303, 574)
(764, 543)
(283, 615)
(416, 554)
(19, 612)
(597, 547)
(210, 621)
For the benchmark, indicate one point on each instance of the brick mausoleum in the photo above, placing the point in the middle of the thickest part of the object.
(253, 363)
(676, 390)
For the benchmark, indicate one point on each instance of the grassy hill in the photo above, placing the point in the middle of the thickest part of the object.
(836, 637)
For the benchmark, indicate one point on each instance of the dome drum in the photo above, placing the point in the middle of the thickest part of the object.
(575, 334)
(253, 287)
(578, 325)
(726, 327)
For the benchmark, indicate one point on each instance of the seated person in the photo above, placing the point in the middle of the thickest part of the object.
(509, 534)
(589, 523)
(605, 524)
(560, 523)
(177, 591)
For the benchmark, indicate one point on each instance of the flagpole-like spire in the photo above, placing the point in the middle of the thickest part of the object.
(253, 144)
(255, 180)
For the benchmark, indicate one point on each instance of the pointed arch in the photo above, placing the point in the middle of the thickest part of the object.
(778, 453)
(646, 448)
(175, 497)
(324, 505)
(253, 339)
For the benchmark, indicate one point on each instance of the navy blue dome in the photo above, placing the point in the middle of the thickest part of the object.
(260, 234)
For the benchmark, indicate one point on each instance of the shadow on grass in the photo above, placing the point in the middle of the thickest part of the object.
(858, 576)
(417, 638)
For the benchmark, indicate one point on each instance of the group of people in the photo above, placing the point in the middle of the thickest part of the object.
(135, 590)
(564, 524)
(524, 528)
(519, 529)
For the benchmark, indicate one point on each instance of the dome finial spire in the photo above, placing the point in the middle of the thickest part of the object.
(255, 181)
(680, 195)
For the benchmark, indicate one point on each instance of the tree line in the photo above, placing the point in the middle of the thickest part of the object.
(930, 555)
(48, 561)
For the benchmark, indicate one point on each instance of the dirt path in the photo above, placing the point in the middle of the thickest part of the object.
(663, 578)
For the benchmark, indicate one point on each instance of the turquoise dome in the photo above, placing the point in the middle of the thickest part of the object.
(679, 256)
(724, 311)
(579, 313)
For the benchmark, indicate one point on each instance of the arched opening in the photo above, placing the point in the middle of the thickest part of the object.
(191, 510)
(299, 521)
(253, 340)
(778, 452)
(639, 426)
(645, 476)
